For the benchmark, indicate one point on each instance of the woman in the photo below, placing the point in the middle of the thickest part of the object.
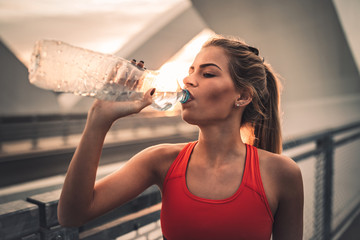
(226, 185)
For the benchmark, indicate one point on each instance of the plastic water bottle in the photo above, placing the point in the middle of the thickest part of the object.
(60, 67)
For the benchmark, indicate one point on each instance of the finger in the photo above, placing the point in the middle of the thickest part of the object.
(135, 86)
(135, 78)
(122, 75)
(148, 96)
(134, 75)
(146, 101)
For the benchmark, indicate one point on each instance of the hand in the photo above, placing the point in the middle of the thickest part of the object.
(129, 75)
(103, 113)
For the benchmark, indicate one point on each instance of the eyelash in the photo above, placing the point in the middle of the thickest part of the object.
(205, 74)
(208, 75)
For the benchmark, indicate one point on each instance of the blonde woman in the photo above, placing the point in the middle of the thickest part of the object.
(232, 183)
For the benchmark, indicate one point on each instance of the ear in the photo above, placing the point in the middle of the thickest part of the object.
(243, 99)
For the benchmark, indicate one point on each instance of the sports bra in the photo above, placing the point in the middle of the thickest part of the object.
(244, 215)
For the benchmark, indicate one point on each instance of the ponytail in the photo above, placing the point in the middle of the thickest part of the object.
(267, 128)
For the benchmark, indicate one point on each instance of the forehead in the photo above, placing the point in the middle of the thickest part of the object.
(212, 54)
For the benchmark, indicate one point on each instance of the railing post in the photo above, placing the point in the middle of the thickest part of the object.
(48, 220)
(324, 188)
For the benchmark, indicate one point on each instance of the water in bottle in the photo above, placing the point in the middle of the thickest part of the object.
(60, 67)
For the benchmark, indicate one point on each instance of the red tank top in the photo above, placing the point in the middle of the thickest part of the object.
(244, 215)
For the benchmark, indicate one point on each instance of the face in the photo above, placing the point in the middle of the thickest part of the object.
(212, 90)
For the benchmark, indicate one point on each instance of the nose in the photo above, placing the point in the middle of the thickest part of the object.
(190, 81)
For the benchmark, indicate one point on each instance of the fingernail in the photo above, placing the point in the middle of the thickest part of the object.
(140, 64)
(152, 91)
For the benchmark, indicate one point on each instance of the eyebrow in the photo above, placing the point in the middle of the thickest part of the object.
(207, 65)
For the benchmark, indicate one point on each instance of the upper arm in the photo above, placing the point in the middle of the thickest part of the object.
(288, 220)
(135, 176)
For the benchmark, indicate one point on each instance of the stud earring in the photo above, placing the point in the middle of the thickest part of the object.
(238, 105)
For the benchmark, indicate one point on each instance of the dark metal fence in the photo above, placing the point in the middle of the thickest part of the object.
(39, 126)
(329, 161)
(322, 153)
(33, 128)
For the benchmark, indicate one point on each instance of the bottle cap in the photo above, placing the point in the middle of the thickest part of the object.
(185, 96)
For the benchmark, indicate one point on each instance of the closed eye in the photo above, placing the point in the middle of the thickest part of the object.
(208, 75)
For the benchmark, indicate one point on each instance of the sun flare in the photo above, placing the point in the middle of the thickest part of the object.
(172, 73)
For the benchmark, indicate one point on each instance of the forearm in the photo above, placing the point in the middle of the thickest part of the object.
(76, 203)
(77, 193)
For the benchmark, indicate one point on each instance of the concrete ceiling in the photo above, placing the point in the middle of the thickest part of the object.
(304, 41)
(106, 26)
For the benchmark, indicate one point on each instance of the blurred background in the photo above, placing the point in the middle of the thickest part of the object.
(312, 45)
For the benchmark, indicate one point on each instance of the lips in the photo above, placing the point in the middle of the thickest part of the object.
(190, 97)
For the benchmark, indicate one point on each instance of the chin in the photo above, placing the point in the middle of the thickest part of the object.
(203, 117)
(186, 118)
(196, 119)
(189, 118)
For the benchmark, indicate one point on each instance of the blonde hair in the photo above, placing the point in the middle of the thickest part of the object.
(260, 123)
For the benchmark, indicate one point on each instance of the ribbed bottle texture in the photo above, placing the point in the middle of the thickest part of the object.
(60, 67)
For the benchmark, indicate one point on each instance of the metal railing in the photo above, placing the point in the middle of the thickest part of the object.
(322, 151)
(327, 209)
(36, 127)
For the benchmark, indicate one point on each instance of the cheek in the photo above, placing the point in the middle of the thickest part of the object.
(221, 95)
(215, 104)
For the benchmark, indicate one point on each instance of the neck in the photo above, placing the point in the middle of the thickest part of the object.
(220, 143)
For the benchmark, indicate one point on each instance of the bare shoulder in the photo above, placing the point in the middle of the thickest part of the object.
(283, 185)
(281, 170)
(160, 157)
(280, 164)
(163, 152)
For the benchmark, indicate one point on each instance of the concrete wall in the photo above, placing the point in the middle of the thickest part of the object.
(305, 43)
(169, 40)
(347, 11)
(18, 96)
